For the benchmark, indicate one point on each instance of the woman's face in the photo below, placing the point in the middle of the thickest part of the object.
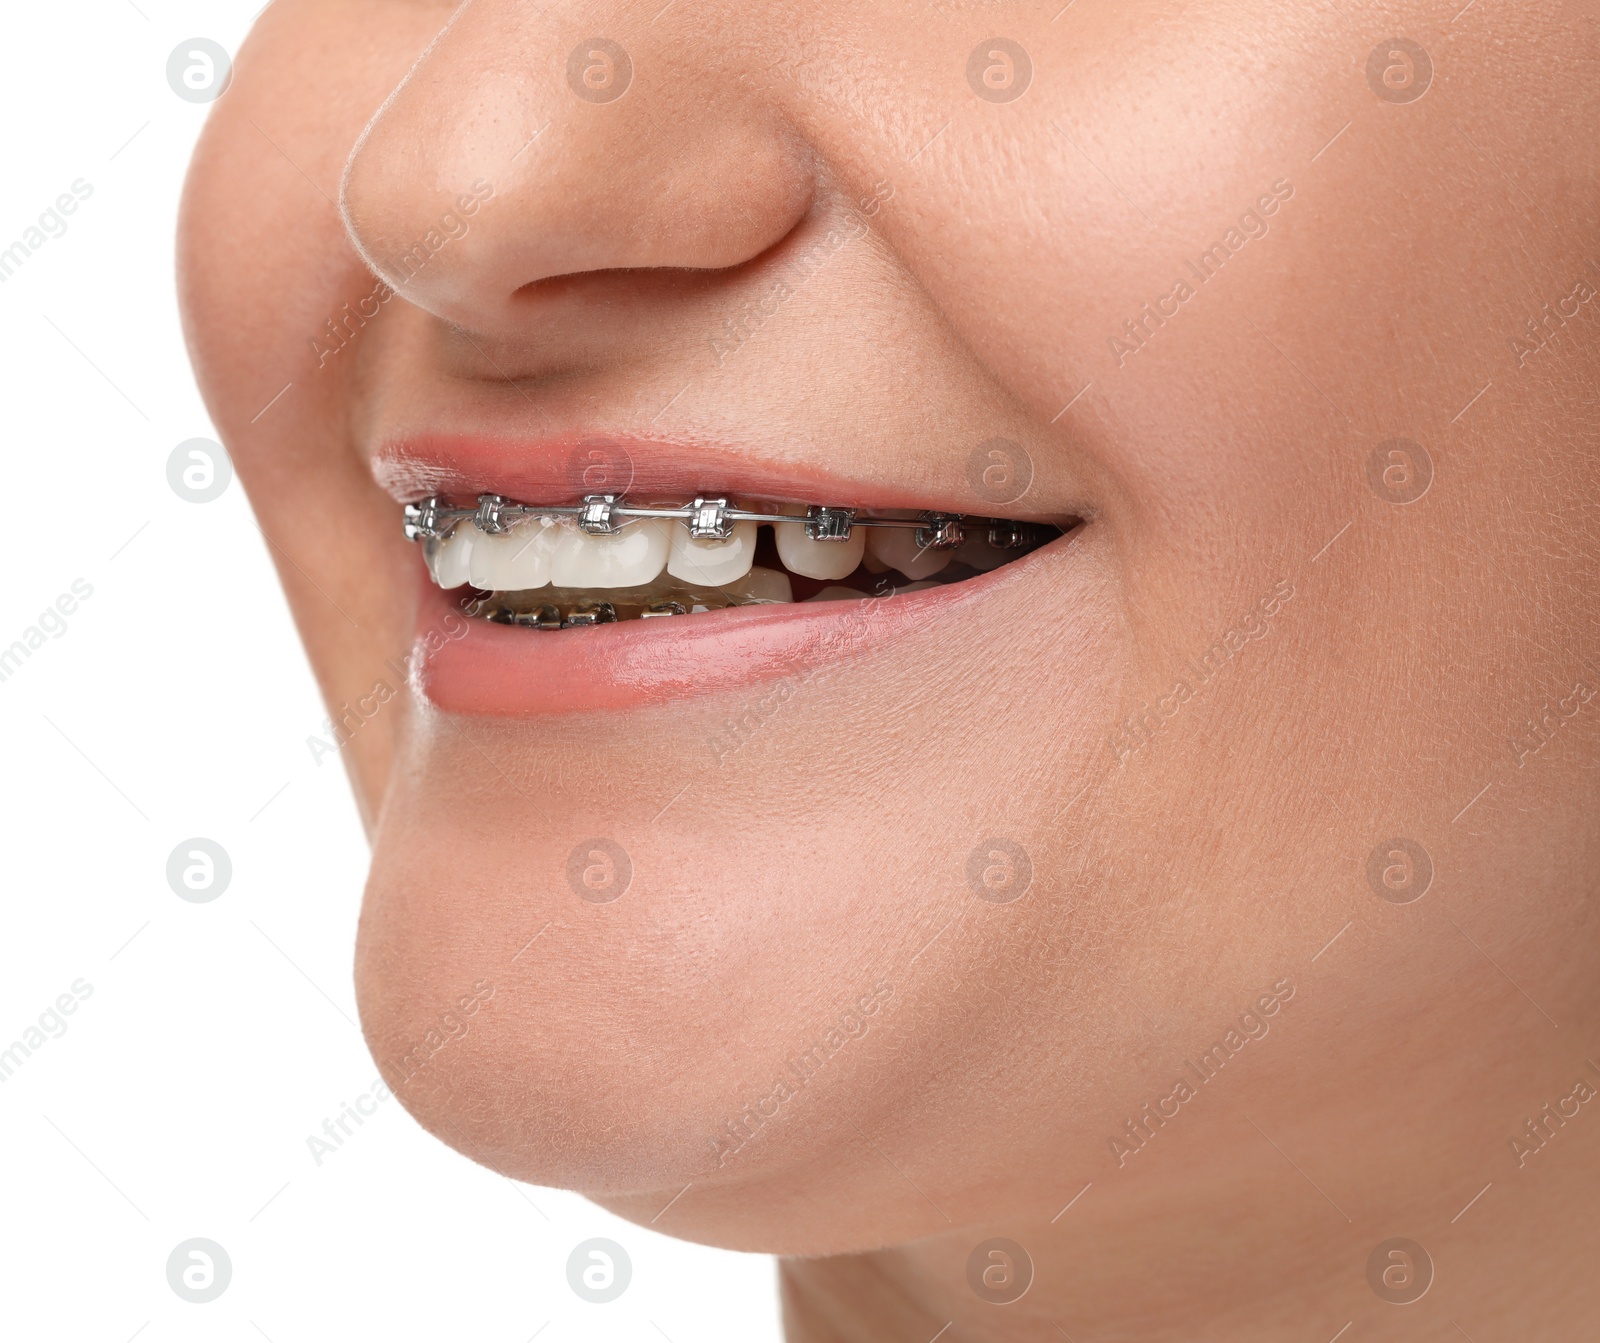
(928, 901)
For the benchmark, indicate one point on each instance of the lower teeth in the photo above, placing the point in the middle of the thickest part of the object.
(551, 609)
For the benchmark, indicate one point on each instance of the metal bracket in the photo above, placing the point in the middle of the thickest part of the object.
(709, 520)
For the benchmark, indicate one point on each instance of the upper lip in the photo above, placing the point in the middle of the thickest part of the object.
(564, 468)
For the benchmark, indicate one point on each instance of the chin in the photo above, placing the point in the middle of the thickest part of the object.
(630, 1051)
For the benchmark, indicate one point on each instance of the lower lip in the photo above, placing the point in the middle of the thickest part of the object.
(472, 666)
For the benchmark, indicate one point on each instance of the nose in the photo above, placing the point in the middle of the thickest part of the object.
(518, 150)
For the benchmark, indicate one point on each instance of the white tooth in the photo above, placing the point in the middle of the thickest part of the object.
(711, 563)
(837, 593)
(977, 551)
(762, 585)
(452, 560)
(633, 557)
(817, 559)
(516, 560)
(897, 547)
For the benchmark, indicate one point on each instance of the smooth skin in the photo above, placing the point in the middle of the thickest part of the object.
(1393, 666)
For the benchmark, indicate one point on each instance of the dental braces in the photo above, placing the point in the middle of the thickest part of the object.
(549, 616)
(432, 519)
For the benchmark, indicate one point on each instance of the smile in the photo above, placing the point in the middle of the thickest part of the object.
(605, 559)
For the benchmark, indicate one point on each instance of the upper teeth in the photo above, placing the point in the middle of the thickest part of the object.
(899, 550)
(803, 553)
(628, 559)
(602, 543)
(709, 561)
(520, 558)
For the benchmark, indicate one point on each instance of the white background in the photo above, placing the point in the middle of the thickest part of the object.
(218, 1036)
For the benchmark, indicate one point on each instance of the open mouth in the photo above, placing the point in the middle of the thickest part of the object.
(607, 559)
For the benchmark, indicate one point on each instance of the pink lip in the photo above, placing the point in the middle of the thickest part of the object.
(478, 667)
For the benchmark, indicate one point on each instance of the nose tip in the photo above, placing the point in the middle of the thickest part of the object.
(476, 181)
